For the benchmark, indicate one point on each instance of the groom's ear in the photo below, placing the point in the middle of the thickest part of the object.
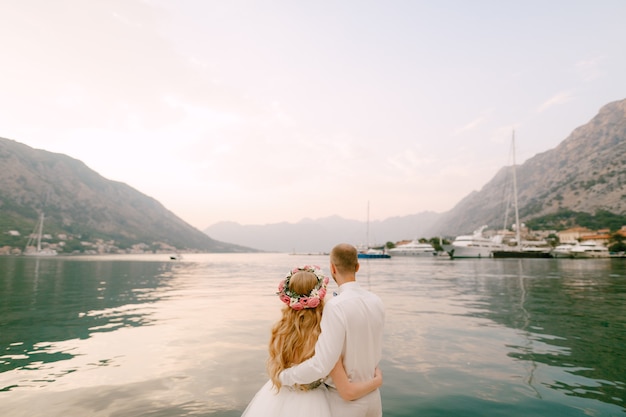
(358, 265)
(333, 270)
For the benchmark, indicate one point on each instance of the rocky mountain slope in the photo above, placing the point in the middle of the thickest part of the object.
(77, 201)
(585, 172)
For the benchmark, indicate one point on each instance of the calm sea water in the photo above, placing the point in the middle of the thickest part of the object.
(146, 336)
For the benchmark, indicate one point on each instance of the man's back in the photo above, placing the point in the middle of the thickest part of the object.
(361, 314)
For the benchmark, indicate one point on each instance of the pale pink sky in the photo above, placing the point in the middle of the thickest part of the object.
(266, 111)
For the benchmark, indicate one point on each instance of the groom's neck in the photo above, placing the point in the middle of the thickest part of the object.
(344, 279)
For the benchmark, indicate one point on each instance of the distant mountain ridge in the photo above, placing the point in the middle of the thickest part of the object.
(585, 172)
(78, 201)
(320, 235)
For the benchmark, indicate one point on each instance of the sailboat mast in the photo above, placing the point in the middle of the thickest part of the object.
(517, 225)
(39, 232)
(367, 230)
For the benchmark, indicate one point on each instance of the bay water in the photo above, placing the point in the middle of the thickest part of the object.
(142, 335)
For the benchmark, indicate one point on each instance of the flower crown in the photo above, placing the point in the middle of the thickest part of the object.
(298, 301)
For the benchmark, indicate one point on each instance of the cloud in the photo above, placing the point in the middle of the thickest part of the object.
(408, 164)
(475, 123)
(557, 99)
(590, 69)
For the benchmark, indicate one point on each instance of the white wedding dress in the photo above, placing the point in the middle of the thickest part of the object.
(288, 402)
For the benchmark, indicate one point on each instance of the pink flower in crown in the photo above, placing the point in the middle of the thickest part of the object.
(322, 292)
(326, 280)
(297, 306)
(313, 302)
(304, 301)
(281, 286)
(285, 299)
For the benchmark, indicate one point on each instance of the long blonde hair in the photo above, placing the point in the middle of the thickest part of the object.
(294, 335)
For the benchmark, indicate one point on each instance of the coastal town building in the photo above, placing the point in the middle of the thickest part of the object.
(574, 234)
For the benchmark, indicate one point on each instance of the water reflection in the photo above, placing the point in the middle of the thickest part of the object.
(193, 340)
(144, 337)
(528, 333)
(44, 302)
(571, 316)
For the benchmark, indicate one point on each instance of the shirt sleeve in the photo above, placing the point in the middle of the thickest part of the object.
(327, 351)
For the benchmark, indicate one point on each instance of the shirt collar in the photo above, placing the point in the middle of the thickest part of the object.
(347, 286)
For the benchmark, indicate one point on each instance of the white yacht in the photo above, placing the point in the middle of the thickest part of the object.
(590, 250)
(563, 250)
(373, 253)
(475, 245)
(413, 248)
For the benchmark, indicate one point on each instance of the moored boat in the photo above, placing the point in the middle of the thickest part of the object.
(369, 252)
(413, 248)
(523, 253)
(476, 245)
(372, 253)
(563, 251)
(35, 238)
(590, 250)
(531, 249)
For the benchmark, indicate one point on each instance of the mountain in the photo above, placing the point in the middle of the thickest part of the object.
(79, 202)
(320, 235)
(585, 173)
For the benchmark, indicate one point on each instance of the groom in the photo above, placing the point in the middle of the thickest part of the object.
(352, 328)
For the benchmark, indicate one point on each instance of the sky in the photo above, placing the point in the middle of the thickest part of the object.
(262, 112)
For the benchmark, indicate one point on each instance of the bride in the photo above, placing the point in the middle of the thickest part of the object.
(292, 342)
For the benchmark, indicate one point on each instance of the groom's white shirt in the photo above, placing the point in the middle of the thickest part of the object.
(352, 327)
